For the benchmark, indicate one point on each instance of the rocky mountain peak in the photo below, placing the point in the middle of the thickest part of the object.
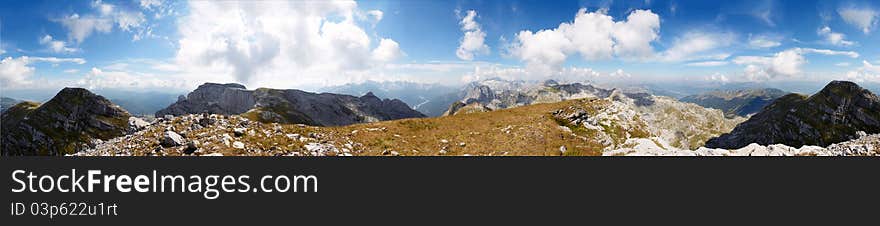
(67, 123)
(835, 114)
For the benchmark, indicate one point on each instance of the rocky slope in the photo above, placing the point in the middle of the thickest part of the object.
(71, 121)
(494, 94)
(288, 106)
(865, 145)
(744, 102)
(683, 125)
(834, 114)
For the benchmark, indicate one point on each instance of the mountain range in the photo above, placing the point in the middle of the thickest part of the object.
(429, 99)
(288, 106)
(743, 102)
(490, 117)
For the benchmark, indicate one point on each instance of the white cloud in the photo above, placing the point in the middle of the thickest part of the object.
(787, 63)
(693, 45)
(593, 35)
(376, 15)
(149, 4)
(473, 41)
(2, 51)
(17, 72)
(71, 71)
(718, 77)
(867, 72)
(764, 41)
(863, 18)
(834, 38)
(80, 27)
(277, 44)
(713, 63)
(56, 45)
(388, 50)
(842, 64)
(97, 78)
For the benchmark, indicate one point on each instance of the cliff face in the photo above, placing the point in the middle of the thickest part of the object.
(71, 121)
(835, 114)
(289, 106)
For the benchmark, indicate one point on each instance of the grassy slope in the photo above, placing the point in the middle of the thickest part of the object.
(528, 130)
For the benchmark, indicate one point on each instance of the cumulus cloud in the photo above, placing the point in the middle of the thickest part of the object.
(867, 72)
(786, 63)
(864, 18)
(16, 72)
(834, 38)
(388, 50)
(80, 27)
(764, 41)
(278, 44)
(473, 41)
(593, 35)
(57, 46)
(695, 45)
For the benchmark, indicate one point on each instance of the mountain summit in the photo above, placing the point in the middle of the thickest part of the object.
(289, 105)
(835, 114)
(68, 123)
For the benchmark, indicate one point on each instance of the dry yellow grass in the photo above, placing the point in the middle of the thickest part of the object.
(528, 130)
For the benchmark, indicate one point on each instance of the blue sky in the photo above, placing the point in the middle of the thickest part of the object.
(176, 45)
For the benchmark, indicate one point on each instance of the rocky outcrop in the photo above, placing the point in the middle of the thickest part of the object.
(744, 102)
(636, 116)
(289, 106)
(834, 114)
(494, 94)
(70, 122)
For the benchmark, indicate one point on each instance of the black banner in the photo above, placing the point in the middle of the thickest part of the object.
(461, 190)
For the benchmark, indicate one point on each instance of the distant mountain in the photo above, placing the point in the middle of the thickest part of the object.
(289, 106)
(430, 99)
(835, 114)
(494, 94)
(66, 124)
(6, 103)
(742, 102)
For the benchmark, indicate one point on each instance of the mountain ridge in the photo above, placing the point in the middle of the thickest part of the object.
(835, 114)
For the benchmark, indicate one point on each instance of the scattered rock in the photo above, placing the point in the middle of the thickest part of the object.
(239, 131)
(172, 139)
(191, 146)
(238, 145)
(136, 124)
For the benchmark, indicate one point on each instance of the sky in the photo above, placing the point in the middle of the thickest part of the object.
(161, 45)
